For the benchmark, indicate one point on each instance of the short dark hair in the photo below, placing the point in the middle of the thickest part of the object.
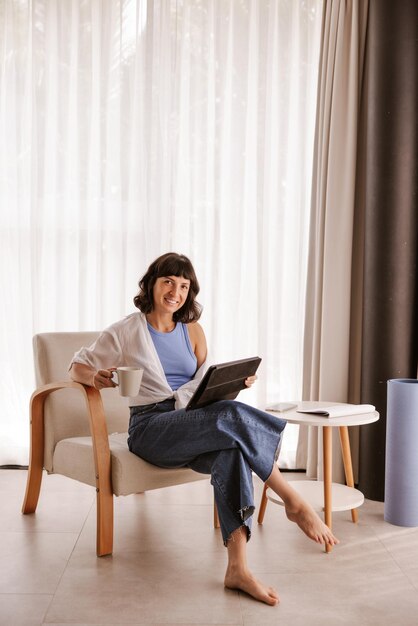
(170, 264)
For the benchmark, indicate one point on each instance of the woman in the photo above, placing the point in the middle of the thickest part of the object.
(226, 439)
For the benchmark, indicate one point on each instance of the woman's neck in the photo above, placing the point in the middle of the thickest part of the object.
(162, 323)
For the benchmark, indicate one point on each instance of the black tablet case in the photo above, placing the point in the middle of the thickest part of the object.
(223, 382)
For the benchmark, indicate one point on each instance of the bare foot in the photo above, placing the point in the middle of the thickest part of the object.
(245, 581)
(311, 524)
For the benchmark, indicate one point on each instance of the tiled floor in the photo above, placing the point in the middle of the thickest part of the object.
(168, 563)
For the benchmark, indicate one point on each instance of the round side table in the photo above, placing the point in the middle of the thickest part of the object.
(325, 495)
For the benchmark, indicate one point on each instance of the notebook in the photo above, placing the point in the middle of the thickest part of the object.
(339, 410)
(223, 381)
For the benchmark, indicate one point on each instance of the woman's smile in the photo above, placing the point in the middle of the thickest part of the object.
(171, 301)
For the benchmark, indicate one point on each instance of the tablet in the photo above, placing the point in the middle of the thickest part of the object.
(223, 382)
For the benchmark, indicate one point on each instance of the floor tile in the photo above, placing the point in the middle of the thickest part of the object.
(403, 547)
(145, 587)
(303, 601)
(56, 512)
(34, 562)
(23, 609)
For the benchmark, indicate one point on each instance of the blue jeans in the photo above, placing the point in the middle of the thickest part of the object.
(226, 439)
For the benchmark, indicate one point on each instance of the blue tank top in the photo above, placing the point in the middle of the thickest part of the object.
(175, 353)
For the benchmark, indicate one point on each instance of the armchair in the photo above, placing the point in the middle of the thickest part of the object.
(70, 425)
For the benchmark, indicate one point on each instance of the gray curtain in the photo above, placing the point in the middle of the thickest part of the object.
(361, 324)
(328, 298)
(385, 287)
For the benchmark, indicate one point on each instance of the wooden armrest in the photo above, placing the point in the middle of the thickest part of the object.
(101, 452)
(98, 430)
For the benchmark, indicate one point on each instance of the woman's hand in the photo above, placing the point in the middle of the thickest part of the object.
(250, 380)
(87, 375)
(103, 379)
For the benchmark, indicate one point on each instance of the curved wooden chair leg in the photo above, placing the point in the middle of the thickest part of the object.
(101, 452)
(263, 505)
(104, 534)
(36, 455)
(102, 463)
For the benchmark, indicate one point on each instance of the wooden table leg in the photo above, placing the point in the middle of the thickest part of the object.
(348, 466)
(263, 505)
(327, 455)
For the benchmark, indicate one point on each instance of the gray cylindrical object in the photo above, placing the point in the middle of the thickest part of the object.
(401, 477)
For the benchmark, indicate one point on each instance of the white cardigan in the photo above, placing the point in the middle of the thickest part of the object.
(128, 343)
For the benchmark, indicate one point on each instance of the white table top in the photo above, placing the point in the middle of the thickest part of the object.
(316, 420)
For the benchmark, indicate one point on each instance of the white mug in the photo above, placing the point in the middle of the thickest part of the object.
(129, 380)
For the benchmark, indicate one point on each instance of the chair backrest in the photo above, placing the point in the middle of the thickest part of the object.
(65, 411)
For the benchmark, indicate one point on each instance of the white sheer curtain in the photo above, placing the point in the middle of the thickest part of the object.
(129, 128)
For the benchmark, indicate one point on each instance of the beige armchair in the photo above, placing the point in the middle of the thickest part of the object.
(70, 426)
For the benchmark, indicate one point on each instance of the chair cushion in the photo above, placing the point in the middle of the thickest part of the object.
(73, 457)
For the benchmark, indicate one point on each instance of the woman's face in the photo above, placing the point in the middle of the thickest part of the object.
(170, 293)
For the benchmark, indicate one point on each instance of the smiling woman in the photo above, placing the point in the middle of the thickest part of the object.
(226, 439)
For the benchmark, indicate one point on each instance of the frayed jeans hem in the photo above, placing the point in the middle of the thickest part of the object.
(232, 538)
